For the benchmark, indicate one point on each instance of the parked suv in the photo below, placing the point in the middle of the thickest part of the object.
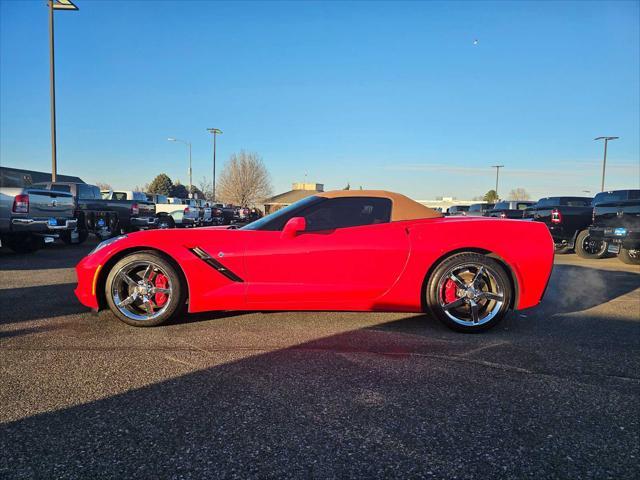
(568, 220)
(458, 210)
(616, 221)
(509, 209)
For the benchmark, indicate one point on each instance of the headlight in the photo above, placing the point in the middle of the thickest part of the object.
(107, 242)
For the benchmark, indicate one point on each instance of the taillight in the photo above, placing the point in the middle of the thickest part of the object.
(556, 216)
(135, 210)
(21, 203)
(503, 215)
(186, 210)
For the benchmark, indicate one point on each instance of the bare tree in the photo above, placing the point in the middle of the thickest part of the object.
(104, 186)
(244, 180)
(205, 188)
(519, 194)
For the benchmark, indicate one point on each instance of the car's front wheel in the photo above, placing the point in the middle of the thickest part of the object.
(144, 290)
(469, 292)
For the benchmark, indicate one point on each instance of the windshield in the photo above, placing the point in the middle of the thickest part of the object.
(282, 215)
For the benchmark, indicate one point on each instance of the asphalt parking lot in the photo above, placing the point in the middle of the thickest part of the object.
(553, 392)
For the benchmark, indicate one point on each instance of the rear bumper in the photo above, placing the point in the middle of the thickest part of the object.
(143, 222)
(42, 225)
(628, 238)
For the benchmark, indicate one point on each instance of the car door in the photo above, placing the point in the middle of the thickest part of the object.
(349, 255)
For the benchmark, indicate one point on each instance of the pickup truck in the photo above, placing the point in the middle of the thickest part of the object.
(458, 210)
(206, 215)
(172, 212)
(91, 212)
(30, 217)
(509, 209)
(135, 212)
(568, 220)
(616, 221)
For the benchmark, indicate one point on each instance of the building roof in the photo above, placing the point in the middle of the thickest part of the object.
(290, 197)
(402, 207)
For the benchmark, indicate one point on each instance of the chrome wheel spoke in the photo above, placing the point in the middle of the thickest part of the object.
(457, 280)
(474, 311)
(492, 296)
(129, 281)
(456, 303)
(148, 305)
(478, 276)
(129, 300)
(166, 291)
(147, 273)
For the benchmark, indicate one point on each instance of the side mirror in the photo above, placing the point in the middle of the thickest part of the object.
(293, 227)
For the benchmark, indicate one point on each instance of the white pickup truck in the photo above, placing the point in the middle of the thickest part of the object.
(174, 212)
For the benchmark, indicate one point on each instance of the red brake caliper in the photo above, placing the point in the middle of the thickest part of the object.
(449, 291)
(161, 282)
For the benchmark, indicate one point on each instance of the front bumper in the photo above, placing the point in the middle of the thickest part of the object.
(42, 225)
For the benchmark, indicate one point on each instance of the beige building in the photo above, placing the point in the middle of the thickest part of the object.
(299, 190)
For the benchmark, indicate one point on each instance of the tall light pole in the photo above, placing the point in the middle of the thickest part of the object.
(497, 167)
(214, 131)
(604, 160)
(171, 139)
(54, 5)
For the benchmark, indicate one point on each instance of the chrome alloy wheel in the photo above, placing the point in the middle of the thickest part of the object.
(141, 290)
(470, 294)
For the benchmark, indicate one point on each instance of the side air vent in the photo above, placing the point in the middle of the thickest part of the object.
(205, 257)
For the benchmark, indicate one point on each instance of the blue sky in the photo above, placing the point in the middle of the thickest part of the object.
(383, 95)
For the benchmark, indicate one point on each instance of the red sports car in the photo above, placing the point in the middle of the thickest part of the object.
(344, 250)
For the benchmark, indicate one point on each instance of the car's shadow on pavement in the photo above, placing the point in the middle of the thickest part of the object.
(53, 256)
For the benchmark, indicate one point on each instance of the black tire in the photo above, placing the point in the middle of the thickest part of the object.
(588, 248)
(116, 285)
(25, 243)
(492, 280)
(166, 221)
(82, 237)
(628, 256)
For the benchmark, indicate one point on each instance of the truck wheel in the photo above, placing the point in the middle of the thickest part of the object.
(586, 247)
(629, 256)
(165, 221)
(82, 237)
(469, 292)
(144, 290)
(25, 243)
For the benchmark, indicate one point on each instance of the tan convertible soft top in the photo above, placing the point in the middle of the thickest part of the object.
(402, 208)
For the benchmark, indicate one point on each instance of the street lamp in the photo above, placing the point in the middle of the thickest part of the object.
(604, 160)
(214, 132)
(497, 167)
(54, 5)
(171, 139)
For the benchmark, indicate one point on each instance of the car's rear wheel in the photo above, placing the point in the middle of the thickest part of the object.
(144, 290)
(469, 292)
(588, 247)
(629, 256)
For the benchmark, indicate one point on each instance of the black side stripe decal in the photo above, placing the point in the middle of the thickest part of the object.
(204, 256)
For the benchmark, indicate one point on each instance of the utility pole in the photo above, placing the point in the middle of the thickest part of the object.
(54, 5)
(497, 167)
(604, 160)
(214, 131)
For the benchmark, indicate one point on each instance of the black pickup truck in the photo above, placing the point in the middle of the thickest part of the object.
(104, 218)
(568, 219)
(616, 221)
(509, 209)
